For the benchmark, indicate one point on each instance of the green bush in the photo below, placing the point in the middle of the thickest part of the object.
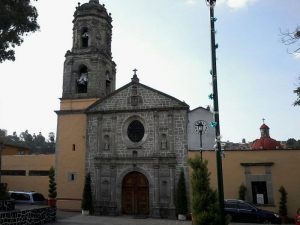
(181, 198)
(204, 200)
(52, 184)
(283, 201)
(242, 192)
(87, 199)
(3, 192)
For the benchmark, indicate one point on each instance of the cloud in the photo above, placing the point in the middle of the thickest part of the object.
(236, 4)
(297, 55)
(190, 2)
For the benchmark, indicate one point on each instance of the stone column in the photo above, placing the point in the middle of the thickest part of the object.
(172, 210)
(99, 134)
(97, 188)
(156, 133)
(114, 135)
(156, 208)
(170, 136)
(113, 203)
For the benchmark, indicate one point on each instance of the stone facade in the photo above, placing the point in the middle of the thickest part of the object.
(159, 155)
(133, 140)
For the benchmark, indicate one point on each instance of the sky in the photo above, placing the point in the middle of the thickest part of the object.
(168, 41)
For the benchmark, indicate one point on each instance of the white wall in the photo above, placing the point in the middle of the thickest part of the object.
(208, 137)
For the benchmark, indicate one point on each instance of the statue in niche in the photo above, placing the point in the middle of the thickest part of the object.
(164, 143)
(106, 143)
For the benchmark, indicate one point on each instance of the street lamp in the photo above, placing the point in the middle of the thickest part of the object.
(216, 124)
(200, 128)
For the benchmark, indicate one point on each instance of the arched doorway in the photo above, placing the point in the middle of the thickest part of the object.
(135, 194)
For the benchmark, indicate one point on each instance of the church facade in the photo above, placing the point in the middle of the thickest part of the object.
(132, 141)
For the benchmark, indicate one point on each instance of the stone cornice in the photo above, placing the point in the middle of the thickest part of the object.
(154, 159)
(258, 164)
(67, 112)
(137, 110)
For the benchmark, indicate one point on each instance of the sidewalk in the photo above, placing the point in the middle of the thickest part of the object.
(74, 218)
(69, 218)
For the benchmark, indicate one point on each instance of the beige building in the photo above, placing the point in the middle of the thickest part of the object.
(27, 172)
(14, 149)
(263, 172)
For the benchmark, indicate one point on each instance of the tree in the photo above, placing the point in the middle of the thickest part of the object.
(3, 192)
(282, 203)
(242, 192)
(292, 143)
(87, 199)
(297, 92)
(36, 143)
(204, 199)
(181, 198)
(291, 39)
(3, 133)
(17, 18)
(26, 137)
(52, 193)
(52, 184)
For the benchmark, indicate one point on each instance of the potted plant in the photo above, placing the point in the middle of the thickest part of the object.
(52, 188)
(87, 200)
(181, 198)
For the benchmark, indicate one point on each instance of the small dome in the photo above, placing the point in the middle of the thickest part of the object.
(92, 8)
(265, 143)
(264, 126)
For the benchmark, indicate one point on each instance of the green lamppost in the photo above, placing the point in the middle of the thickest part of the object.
(216, 124)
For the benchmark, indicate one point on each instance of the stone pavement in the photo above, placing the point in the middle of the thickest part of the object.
(75, 218)
(70, 218)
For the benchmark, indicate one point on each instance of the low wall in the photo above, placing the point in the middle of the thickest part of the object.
(32, 216)
(7, 205)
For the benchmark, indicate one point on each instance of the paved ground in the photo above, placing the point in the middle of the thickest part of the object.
(70, 218)
(75, 218)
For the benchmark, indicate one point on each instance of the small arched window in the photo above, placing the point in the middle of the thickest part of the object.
(107, 83)
(82, 81)
(85, 38)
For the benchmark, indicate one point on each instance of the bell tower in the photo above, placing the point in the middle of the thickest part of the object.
(89, 71)
(89, 75)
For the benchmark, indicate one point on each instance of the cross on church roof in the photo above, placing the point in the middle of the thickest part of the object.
(263, 119)
(135, 79)
(134, 70)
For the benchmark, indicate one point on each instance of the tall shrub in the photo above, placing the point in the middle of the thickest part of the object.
(283, 202)
(3, 192)
(181, 198)
(204, 199)
(242, 192)
(87, 199)
(52, 184)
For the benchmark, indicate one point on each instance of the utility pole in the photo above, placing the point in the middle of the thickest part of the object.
(211, 4)
(1, 148)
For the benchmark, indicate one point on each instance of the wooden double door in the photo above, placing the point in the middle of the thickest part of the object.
(135, 194)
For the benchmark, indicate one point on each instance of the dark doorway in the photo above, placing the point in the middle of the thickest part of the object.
(135, 194)
(259, 192)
